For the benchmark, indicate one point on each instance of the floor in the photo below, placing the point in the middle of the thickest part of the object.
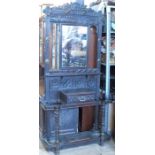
(93, 149)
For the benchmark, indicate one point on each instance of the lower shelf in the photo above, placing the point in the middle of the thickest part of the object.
(72, 140)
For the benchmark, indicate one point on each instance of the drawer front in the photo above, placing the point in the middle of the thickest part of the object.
(81, 98)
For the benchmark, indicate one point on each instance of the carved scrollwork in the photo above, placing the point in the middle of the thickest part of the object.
(92, 82)
(54, 83)
(73, 20)
(71, 9)
(73, 83)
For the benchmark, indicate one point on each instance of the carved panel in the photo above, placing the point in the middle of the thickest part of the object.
(68, 82)
(72, 9)
(55, 83)
(68, 121)
(73, 82)
(92, 82)
(73, 19)
(66, 71)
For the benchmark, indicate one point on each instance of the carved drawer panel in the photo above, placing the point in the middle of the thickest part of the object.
(77, 96)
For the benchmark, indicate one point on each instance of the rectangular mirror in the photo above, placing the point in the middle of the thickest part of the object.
(74, 46)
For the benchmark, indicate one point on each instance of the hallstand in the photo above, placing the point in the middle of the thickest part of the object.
(71, 113)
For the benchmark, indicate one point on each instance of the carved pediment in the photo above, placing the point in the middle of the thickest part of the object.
(72, 9)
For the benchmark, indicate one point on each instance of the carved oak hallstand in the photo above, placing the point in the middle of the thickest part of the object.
(70, 111)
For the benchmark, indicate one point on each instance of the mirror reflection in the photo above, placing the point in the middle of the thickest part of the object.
(74, 46)
(54, 46)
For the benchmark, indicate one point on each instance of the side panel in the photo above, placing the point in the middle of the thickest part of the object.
(68, 122)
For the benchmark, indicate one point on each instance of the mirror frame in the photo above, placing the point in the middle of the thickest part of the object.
(73, 14)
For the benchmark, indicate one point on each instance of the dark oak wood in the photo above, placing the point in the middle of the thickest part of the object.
(41, 87)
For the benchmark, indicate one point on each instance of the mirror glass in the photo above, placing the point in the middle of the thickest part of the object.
(41, 42)
(54, 46)
(74, 46)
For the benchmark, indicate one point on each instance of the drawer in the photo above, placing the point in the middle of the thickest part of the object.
(78, 95)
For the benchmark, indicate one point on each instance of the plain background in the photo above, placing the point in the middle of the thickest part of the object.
(19, 89)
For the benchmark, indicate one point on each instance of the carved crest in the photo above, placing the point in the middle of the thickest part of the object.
(72, 9)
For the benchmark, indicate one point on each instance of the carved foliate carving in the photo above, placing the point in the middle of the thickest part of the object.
(72, 9)
(73, 20)
(92, 82)
(54, 83)
(73, 82)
